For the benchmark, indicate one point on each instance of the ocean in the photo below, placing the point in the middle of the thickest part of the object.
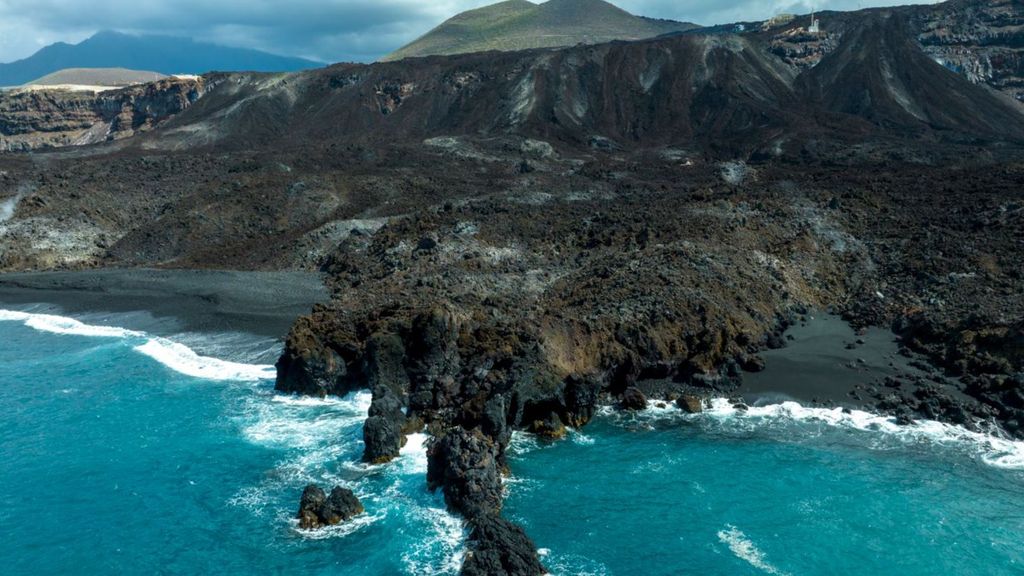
(155, 451)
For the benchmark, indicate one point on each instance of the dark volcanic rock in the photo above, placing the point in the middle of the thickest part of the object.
(317, 510)
(310, 366)
(690, 404)
(633, 399)
(341, 506)
(313, 498)
(498, 547)
(465, 465)
(383, 431)
(550, 427)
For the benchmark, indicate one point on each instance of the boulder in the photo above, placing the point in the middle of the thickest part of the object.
(690, 404)
(317, 510)
(753, 364)
(313, 498)
(550, 427)
(341, 506)
(633, 399)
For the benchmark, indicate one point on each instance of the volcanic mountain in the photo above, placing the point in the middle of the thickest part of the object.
(519, 25)
(163, 54)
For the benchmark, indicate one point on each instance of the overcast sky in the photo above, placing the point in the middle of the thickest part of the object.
(325, 30)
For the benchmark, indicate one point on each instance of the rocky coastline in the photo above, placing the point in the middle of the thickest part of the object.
(513, 241)
(472, 320)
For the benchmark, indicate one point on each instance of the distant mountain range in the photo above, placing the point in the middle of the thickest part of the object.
(520, 25)
(163, 54)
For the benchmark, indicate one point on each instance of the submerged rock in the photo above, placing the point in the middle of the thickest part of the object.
(318, 510)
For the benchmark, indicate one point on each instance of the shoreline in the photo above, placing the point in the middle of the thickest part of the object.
(827, 363)
(259, 303)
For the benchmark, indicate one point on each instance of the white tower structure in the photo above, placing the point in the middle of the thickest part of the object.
(815, 27)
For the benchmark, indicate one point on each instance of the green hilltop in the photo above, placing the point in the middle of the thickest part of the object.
(521, 25)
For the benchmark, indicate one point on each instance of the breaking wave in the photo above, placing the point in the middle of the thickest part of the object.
(321, 442)
(793, 420)
(173, 355)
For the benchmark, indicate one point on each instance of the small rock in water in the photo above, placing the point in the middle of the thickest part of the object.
(317, 509)
(550, 427)
(690, 404)
(633, 399)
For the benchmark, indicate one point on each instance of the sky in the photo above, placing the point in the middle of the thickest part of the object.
(323, 30)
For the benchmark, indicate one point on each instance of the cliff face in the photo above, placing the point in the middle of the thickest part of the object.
(982, 40)
(33, 119)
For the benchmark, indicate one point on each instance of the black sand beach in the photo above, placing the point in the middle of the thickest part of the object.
(826, 362)
(261, 303)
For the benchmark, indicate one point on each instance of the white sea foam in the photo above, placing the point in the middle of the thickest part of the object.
(874, 431)
(992, 450)
(183, 359)
(65, 326)
(304, 423)
(340, 530)
(745, 550)
(413, 456)
(173, 355)
(442, 549)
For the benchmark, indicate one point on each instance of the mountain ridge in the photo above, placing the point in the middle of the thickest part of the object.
(159, 53)
(517, 24)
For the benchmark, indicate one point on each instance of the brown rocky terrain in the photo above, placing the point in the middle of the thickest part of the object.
(515, 239)
(31, 119)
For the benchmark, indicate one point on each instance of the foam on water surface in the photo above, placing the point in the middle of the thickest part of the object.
(746, 550)
(793, 420)
(173, 355)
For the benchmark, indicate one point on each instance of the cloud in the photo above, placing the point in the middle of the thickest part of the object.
(326, 30)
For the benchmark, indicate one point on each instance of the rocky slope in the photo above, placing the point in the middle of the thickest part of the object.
(51, 118)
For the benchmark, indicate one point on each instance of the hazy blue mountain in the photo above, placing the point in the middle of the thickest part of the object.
(164, 54)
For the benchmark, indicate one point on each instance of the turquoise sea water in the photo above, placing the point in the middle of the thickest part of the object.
(125, 453)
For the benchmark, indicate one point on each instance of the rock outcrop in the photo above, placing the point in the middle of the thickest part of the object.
(318, 510)
(498, 547)
(981, 40)
(50, 118)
